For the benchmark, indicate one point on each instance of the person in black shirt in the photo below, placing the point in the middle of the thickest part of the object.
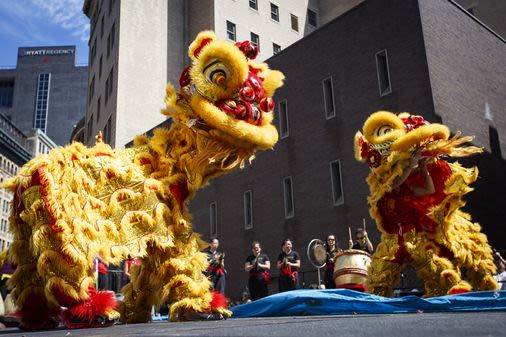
(216, 269)
(332, 250)
(258, 266)
(363, 242)
(288, 264)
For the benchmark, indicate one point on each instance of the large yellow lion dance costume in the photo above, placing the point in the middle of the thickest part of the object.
(415, 200)
(78, 202)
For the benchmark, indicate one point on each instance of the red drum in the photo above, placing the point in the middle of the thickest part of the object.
(350, 269)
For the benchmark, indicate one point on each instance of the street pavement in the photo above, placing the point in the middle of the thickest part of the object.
(460, 324)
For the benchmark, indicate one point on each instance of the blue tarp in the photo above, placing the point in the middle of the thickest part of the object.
(343, 301)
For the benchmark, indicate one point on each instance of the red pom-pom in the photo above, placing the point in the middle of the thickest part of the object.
(247, 93)
(219, 301)
(267, 104)
(248, 49)
(98, 303)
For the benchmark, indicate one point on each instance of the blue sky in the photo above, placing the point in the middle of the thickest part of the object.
(35, 23)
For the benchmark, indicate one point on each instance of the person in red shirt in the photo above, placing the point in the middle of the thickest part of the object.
(102, 266)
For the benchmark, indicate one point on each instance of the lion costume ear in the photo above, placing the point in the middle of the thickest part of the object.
(359, 138)
(199, 43)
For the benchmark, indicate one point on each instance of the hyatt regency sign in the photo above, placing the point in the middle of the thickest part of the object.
(46, 52)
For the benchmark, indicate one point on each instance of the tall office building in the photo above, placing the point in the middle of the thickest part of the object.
(45, 91)
(137, 47)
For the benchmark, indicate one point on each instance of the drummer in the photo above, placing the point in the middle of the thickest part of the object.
(331, 249)
(362, 241)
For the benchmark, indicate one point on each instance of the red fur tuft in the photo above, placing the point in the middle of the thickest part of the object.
(219, 301)
(98, 303)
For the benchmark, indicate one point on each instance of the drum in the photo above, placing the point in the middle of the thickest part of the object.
(350, 269)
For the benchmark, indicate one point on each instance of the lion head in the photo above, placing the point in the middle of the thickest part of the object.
(224, 91)
(385, 132)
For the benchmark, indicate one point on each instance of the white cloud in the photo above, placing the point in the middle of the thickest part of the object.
(67, 14)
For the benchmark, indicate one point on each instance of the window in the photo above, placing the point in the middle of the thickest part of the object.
(248, 210)
(107, 131)
(100, 67)
(42, 101)
(213, 219)
(111, 39)
(311, 18)
(99, 105)
(6, 93)
(328, 98)
(274, 12)
(276, 48)
(102, 27)
(109, 85)
(288, 196)
(336, 182)
(295, 22)
(93, 51)
(283, 119)
(113, 35)
(253, 4)
(385, 86)
(255, 39)
(89, 128)
(231, 30)
(92, 90)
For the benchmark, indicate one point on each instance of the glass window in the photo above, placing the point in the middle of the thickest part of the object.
(295, 22)
(100, 67)
(328, 98)
(213, 219)
(253, 4)
(283, 119)
(288, 197)
(99, 106)
(102, 27)
(255, 39)
(274, 12)
(41, 102)
(385, 86)
(311, 18)
(336, 182)
(248, 210)
(231, 31)
(276, 48)
(6, 92)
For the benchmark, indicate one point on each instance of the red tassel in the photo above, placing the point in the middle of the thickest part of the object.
(219, 301)
(98, 303)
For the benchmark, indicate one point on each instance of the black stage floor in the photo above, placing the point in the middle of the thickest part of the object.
(395, 325)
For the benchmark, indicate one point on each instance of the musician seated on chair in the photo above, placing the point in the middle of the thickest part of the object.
(362, 241)
(288, 264)
(216, 270)
(332, 248)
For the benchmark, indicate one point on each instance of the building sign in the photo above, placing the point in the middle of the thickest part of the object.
(46, 52)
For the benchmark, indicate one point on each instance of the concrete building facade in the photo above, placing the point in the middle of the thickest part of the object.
(431, 58)
(45, 91)
(14, 153)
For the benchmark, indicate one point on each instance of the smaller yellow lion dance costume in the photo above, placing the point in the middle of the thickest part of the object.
(415, 200)
(77, 202)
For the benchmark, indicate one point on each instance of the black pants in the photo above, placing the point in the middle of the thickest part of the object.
(287, 283)
(258, 287)
(218, 283)
(328, 278)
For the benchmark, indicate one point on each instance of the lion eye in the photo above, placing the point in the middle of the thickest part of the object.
(217, 73)
(383, 130)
